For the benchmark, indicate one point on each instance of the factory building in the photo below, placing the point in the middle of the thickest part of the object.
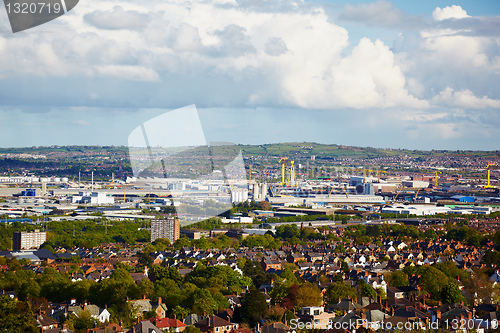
(29, 192)
(239, 196)
(28, 240)
(93, 198)
(415, 184)
(420, 210)
(169, 228)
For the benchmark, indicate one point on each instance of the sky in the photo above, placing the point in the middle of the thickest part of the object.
(385, 74)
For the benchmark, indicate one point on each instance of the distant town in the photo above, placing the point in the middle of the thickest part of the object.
(278, 238)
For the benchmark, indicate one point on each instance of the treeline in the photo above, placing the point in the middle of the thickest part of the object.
(87, 233)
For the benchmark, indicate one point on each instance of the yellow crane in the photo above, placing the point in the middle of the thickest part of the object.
(490, 167)
(378, 171)
(416, 194)
(345, 191)
(283, 162)
(394, 200)
(331, 190)
(436, 179)
(291, 177)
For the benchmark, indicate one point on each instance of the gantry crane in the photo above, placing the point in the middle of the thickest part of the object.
(291, 177)
(378, 171)
(283, 162)
(490, 167)
(414, 199)
(291, 180)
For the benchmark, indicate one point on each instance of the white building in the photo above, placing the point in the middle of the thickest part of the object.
(93, 198)
(420, 210)
(239, 196)
(415, 184)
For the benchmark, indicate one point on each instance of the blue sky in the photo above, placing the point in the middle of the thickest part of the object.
(388, 74)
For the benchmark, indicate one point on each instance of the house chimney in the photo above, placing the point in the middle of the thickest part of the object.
(469, 315)
(159, 300)
(438, 314)
(144, 296)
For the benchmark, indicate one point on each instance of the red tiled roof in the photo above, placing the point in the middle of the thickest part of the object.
(166, 322)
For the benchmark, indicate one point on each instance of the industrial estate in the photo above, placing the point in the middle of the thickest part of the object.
(281, 238)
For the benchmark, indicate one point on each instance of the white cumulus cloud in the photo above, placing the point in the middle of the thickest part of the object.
(450, 12)
(465, 99)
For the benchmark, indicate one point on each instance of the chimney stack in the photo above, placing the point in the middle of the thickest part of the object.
(438, 314)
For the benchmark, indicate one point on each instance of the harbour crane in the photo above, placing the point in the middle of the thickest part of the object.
(291, 177)
(291, 180)
(283, 162)
(378, 171)
(416, 194)
(490, 167)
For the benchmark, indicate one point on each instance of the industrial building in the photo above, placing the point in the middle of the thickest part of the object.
(93, 198)
(28, 240)
(418, 210)
(169, 228)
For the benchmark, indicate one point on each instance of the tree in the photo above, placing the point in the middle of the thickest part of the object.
(308, 295)
(451, 293)
(159, 273)
(366, 290)
(253, 306)
(181, 242)
(192, 329)
(491, 258)
(432, 280)
(397, 279)
(16, 316)
(339, 290)
(373, 230)
(254, 270)
(204, 304)
(345, 267)
(479, 288)
(81, 322)
(452, 271)
(265, 205)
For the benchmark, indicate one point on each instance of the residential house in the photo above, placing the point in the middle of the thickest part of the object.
(215, 324)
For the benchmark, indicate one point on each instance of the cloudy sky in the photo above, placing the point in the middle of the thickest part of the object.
(388, 74)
